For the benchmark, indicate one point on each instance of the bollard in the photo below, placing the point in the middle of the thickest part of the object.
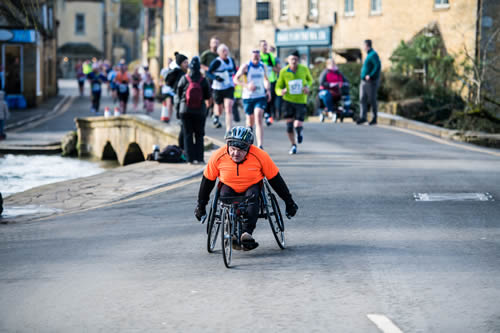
(117, 111)
(164, 112)
(107, 113)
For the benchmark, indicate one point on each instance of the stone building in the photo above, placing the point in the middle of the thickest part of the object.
(189, 24)
(28, 51)
(100, 29)
(318, 28)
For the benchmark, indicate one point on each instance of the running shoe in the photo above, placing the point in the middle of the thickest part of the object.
(321, 117)
(216, 122)
(293, 150)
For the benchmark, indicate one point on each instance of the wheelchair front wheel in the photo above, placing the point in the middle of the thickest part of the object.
(213, 228)
(226, 238)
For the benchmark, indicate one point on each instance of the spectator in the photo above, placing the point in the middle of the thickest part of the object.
(370, 80)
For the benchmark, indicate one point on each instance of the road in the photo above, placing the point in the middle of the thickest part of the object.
(360, 245)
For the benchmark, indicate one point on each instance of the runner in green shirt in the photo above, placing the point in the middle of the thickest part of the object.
(293, 84)
(269, 61)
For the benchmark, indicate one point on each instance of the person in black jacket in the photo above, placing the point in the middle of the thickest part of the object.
(193, 92)
(172, 79)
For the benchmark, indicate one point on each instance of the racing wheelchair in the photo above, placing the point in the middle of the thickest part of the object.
(227, 214)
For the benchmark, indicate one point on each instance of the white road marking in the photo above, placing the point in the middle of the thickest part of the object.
(453, 197)
(384, 323)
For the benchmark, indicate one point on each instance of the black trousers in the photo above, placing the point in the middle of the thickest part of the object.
(193, 130)
(96, 98)
(253, 205)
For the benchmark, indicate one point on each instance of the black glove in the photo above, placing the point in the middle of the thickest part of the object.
(218, 78)
(199, 212)
(291, 209)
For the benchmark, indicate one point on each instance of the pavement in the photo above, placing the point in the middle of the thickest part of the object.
(363, 255)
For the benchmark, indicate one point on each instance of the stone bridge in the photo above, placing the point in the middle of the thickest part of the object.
(127, 139)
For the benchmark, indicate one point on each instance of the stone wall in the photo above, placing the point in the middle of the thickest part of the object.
(124, 134)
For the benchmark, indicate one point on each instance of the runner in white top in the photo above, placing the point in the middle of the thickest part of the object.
(221, 73)
(252, 76)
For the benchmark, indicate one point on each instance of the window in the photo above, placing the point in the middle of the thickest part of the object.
(376, 6)
(313, 9)
(441, 3)
(51, 18)
(284, 8)
(80, 24)
(263, 11)
(349, 7)
(227, 7)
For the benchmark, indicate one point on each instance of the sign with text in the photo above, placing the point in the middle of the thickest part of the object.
(299, 37)
(18, 36)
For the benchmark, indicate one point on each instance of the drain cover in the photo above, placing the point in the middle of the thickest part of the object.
(453, 197)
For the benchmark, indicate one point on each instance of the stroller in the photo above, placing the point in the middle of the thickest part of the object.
(342, 108)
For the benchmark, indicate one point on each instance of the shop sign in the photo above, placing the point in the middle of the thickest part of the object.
(17, 36)
(298, 37)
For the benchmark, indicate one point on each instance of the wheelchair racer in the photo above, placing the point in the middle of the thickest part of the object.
(240, 167)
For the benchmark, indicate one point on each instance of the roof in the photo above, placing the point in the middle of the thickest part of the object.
(82, 49)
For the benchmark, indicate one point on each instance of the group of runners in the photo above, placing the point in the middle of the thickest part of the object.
(120, 82)
(268, 91)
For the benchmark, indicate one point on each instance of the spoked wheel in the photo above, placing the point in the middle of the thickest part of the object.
(213, 228)
(276, 221)
(226, 238)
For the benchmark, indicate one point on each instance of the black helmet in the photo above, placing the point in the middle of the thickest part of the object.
(240, 137)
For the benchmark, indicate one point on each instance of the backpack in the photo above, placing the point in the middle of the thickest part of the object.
(171, 154)
(194, 94)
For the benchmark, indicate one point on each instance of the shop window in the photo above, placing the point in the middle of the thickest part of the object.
(263, 11)
(376, 7)
(14, 71)
(441, 3)
(284, 8)
(227, 8)
(349, 7)
(80, 24)
(313, 9)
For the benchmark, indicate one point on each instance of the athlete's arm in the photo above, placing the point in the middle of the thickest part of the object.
(279, 186)
(281, 85)
(242, 71)
(213, 67)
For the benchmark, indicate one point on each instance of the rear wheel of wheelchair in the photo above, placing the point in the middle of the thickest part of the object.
(226, 238)
(213, 228)
(276, 221)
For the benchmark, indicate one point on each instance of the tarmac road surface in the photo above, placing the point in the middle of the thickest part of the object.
(363, 255)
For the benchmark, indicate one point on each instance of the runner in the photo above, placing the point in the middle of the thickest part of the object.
(80, 77)
(96, 78)
(148, 93)
(293, 84)
(206, 59)
(174, 75)
(221, 71)
(272, 70)
(122, 81)
(255, 93)
(136, 81)
(111, 83)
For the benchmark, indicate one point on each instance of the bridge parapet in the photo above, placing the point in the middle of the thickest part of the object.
(127, 138)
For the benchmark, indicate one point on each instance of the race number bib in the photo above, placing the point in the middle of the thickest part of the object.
(123, 88)
(148, 93)
(225, 77)
(295, 87)
(96, 87)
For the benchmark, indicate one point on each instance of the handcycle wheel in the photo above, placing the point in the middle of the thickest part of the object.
(226, 238)
(276, 221)
(213, 228)
(213, 225)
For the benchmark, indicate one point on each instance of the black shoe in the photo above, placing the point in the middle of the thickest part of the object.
(373, 122)
(248, 243)
(361, 121)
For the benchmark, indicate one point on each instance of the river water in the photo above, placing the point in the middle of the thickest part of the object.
(21, 172)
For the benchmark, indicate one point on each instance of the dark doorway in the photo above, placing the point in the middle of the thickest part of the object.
(134, 154)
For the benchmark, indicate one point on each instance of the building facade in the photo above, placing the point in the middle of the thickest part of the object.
(189, 25)
(28, 45)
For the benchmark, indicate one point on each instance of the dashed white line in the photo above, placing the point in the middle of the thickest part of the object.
(384, 323)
